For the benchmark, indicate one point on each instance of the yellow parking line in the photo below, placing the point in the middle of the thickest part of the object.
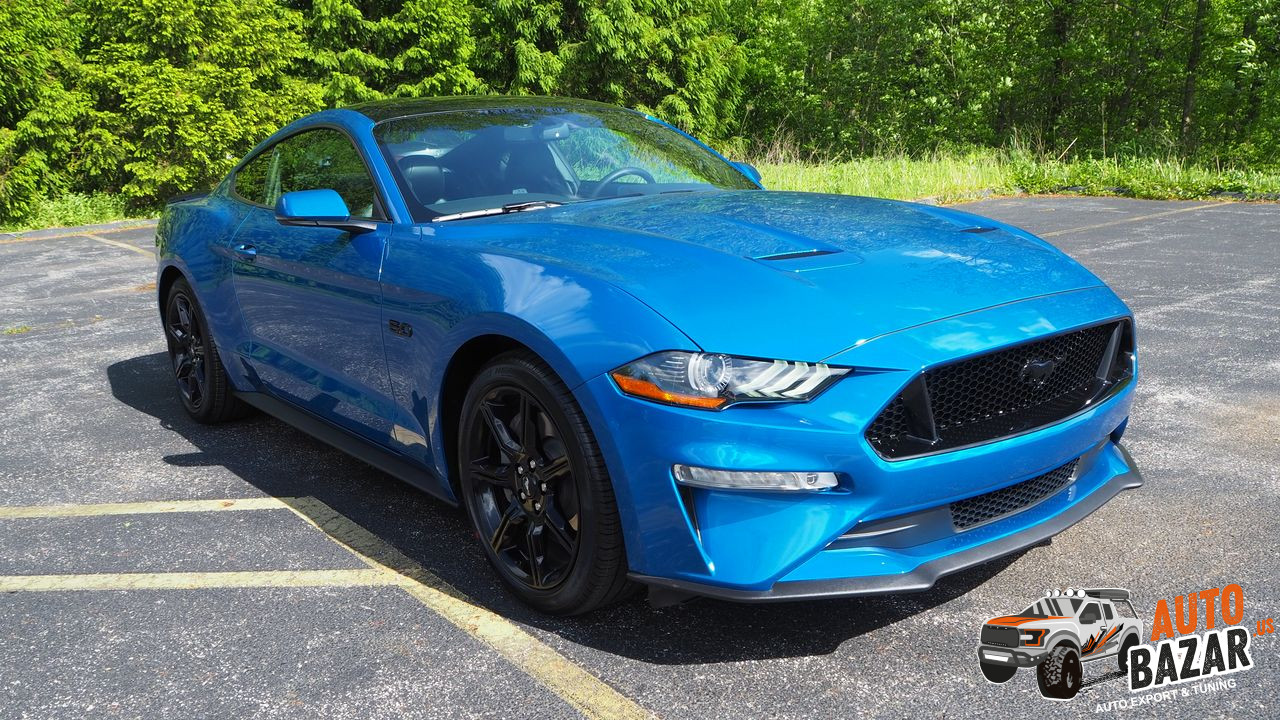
(139, 508)
(584, 691)
(196, 580)
(1130, 220)
(387, 567)
(126, 246)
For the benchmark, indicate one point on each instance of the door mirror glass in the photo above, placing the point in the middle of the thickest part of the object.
(319, 208)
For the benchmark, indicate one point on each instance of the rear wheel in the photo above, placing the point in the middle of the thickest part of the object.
(197, 370)
(536, 489)
(1060, 675)
(1123, 657)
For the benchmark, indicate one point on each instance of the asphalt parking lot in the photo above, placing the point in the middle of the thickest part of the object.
(250, 571)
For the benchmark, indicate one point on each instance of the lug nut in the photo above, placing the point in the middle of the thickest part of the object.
(533, 464)
(537, 506)
(520, 469)
(544, 487)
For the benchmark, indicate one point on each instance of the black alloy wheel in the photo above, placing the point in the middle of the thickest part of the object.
(186, 349)
(526, 494)
(536, 490)
(197, 371)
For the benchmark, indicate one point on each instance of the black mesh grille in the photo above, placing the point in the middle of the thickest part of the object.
(1004, 392)
(1015, 498)
(1002, 635)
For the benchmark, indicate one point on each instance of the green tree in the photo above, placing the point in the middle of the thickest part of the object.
(674, 58)
(372, 50)
(184, 89)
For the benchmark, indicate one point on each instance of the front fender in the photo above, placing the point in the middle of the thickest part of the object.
(582, 326)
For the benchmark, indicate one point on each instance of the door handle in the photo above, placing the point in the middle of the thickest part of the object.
(245, 252)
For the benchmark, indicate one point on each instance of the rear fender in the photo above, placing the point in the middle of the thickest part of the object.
(193, 238)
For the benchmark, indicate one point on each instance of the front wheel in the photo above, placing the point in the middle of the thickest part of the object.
(537, 491)
(1060, 675)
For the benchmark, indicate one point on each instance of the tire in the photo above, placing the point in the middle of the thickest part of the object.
(998, 673)
(1123, 657)
(536, 489)
(201, 380)
(1060, 675)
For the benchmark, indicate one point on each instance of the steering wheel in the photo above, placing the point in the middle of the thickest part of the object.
(617, 175)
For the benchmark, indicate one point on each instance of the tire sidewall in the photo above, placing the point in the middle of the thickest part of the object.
(574, 589)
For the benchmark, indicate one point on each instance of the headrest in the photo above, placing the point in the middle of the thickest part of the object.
(425, 178)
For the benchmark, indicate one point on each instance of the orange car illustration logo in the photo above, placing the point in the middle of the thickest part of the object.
(1058, 633)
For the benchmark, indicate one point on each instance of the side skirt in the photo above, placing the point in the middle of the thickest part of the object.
(385, 460)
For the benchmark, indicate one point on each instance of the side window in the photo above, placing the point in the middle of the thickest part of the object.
(253, 180)
(1090, 614)
(1107, 609)
(322, 158)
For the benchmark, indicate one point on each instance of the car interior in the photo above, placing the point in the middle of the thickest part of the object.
(504, 164)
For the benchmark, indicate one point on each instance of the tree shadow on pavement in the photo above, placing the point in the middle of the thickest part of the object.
(283, 462)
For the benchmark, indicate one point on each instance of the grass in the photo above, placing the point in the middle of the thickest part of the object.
(19, 330)
(943, 177)
(956, 177)
(71, 210)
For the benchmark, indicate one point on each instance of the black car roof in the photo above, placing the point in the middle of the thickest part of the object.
(380, 110)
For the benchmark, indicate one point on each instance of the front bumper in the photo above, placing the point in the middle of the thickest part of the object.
(926, 574)
(997, 655)
(762, 546)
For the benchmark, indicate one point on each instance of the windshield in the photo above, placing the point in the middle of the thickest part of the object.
(1053, 607)
(462, 163)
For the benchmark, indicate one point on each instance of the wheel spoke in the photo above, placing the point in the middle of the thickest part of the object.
(184, 313)
(500, 540)
(533, 547)
(493, 477)
(528, 428)
(197, 374)
(556, 468)
(182, 366)
(499, 430)
(555, 528)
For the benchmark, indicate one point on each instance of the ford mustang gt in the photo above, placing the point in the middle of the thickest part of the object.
(633, 366)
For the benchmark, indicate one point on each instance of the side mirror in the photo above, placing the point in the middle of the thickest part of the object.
(749, 170)
(319, 208)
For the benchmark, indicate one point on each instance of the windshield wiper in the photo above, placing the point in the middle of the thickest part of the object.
(505, 209)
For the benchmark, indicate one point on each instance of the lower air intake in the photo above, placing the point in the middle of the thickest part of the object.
(987, 508)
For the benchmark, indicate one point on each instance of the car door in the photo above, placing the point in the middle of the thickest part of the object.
(1093, 630)
(310, 296)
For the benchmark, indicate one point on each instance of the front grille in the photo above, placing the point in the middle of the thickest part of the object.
(1002, 635)
(1007, 501)
(1006, 392)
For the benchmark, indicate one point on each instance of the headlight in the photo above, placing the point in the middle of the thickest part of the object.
(711, 381)
(1032, 637)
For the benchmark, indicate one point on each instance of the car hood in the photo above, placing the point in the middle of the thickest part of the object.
(799, 276)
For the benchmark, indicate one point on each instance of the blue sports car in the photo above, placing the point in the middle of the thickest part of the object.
(633, 366)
